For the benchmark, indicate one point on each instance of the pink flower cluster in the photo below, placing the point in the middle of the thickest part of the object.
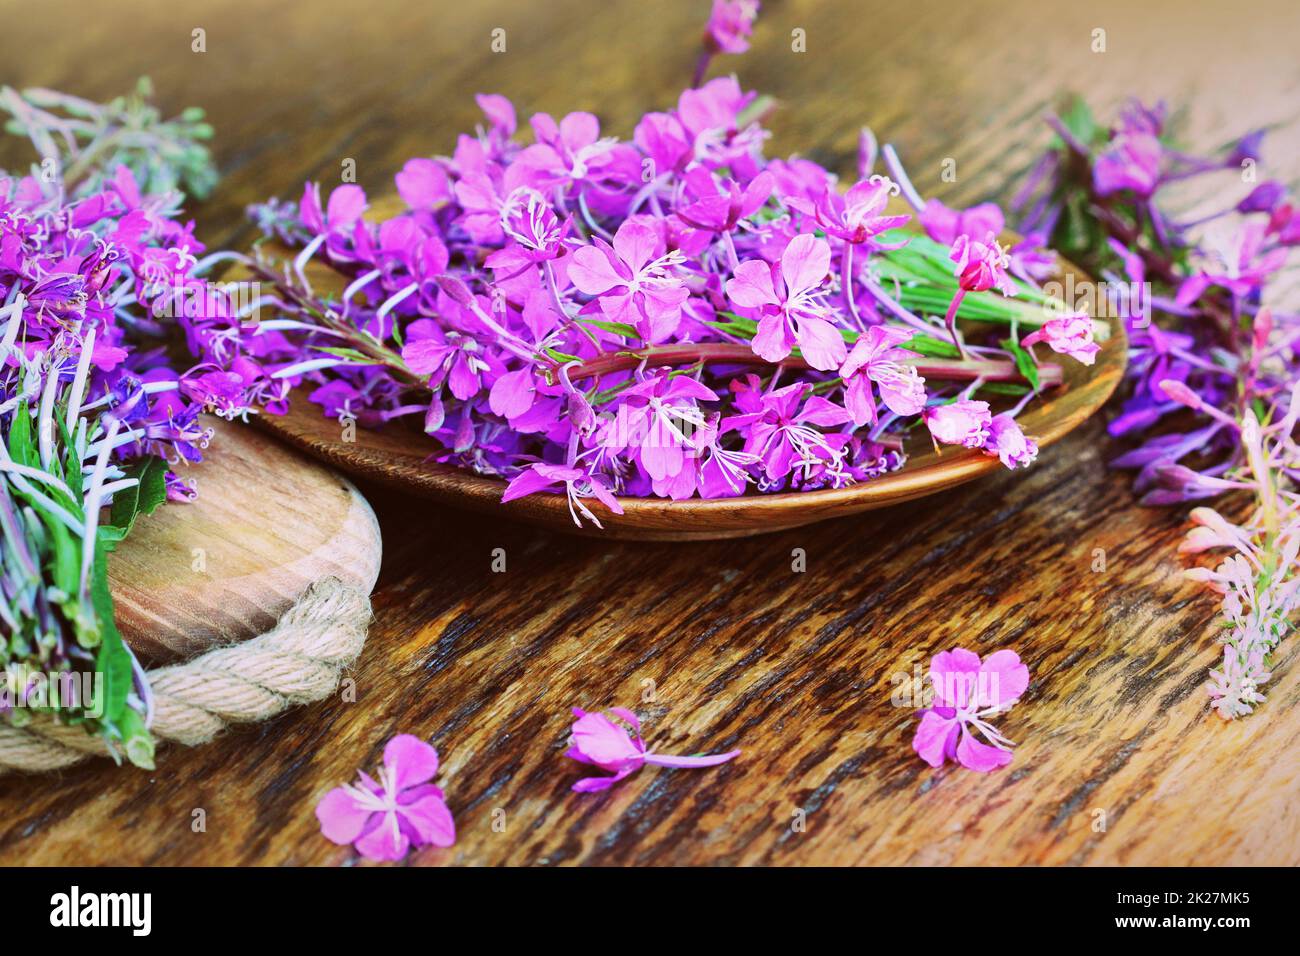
(673, 316)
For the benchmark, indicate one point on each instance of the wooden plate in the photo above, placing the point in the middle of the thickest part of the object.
(395, 457)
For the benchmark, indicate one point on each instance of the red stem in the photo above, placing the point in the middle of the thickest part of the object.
(729, 353)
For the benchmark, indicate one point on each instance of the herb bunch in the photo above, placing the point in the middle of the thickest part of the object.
(1214, 371)
(93, 416)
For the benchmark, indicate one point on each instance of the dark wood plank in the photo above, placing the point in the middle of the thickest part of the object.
(793, 668)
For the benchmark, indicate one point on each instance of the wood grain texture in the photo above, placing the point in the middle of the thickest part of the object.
(267, 524)
(793, 668)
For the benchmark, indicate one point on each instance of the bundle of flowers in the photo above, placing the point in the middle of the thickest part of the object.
(93, 416)
(1213, 369)
(675, 315)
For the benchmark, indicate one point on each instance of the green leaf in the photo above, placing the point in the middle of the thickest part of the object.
(562, 357)
(21, 447)
(929, 345)
(1025, 364)
(149, 492)
(1078, 119)
(112, 660)
(618, 328)
(350, 355)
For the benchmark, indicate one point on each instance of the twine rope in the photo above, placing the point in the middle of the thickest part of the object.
(298, 661)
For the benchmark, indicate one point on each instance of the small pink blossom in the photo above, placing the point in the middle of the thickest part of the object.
(787, 299)
(966, 692)
(876, 357)
(383, 819)
(859, 215)
(578, 485)
(1069, 334)
(634, 280)
(981, 265)
(730, 25)
(1131, 161)
(963, 422)
(1008, 443)
(613, 743)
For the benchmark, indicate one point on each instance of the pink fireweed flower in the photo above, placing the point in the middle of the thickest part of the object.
(979, 266)
(634, 280)
(1008, 443)
(1234, 688)
(858, 216)
(730, 25)
(613, 743)
(719, 206)
(654, 422)
(787, 298)
(781, 433)
(876, 357)
(528, 219)
(963, 422)
(384, 818)
(1069, 334)
(966, 692)
(578, 485)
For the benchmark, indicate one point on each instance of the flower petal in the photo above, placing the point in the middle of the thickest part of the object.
(409, 761)
(974, 755)
(431, 820)
(341, 818)
(932, 737)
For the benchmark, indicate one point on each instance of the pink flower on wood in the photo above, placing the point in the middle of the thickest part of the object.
(384, 818)
(966, 692)
(613, 743)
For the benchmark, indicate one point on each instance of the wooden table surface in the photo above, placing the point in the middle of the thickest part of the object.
(720, 645)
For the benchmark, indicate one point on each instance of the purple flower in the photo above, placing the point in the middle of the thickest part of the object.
(384, 818)
(981, 265)
(858, 216)
(787, 299)
(1132, 161)
(613, 743)
(966, 693)
(1008, 443)
(578, 485)
(963, 422)
(944, 224)
(718, 207)
(780, 432)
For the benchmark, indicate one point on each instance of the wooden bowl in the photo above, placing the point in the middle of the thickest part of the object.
(395, 457)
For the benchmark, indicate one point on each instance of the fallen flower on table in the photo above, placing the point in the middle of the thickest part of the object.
(383, 819)
(614, 743)
(966, 692)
